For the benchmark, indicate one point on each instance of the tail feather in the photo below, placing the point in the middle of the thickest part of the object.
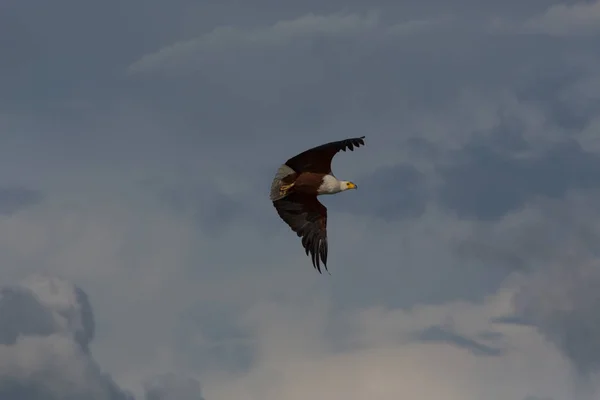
(281, 173)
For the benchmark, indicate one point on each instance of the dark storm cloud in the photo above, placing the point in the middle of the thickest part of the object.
(400, 190)
(204, 203)
(84, 333)
(14, 198)
(298, 88)
(556, 244)
(444, 335)
(64, 70)
(21, 313)
(486, 184)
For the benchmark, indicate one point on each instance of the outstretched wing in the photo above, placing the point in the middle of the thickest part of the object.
(308, 218)
(318, 159)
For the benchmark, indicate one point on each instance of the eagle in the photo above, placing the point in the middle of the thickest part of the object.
(295, 188)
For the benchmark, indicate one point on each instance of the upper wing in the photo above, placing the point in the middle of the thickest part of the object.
(318, 159)
(308, 218)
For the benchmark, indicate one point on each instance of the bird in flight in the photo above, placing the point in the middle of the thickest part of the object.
(295, 188)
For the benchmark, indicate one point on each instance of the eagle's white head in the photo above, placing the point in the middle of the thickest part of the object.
(345, 185)
(332, 185)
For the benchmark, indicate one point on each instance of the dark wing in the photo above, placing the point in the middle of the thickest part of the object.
(318, 159)
(308, 218)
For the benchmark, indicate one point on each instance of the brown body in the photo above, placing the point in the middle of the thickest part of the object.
(305, 182)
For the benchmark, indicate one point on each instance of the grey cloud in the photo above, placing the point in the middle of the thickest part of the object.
(511, 320)
(204, 203)
(320, 30)
(173, 387)
(538, 398)
(490, 335)
(50, 368)
(399, 78)
(46, 326)
(562, 301)
(69, 304)
(546, 231)
(179, 56)
(581, 18)
(484, 183)
(401, 192)
(220, 341)
(21, 313)
(445, 335)
(275, 92)
(44, 353)
(85, 331)
(555, 242)
(15, 198)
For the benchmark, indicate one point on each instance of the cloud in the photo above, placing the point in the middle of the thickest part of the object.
(582, 18)
(402, 188)
(46, 326)
(173, 387)
(562, 301)
(543, 232)
(443, 335)
(15, 198)
(180, 55)
(192, 54)
(578, 20)
(219, 289)
(46, 362)
(553, 241)
(485, 183)
(300, 357)
(70, 305)
(53, 367)
(22, 314)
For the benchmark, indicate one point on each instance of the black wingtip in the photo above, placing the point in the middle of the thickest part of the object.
(326, 269)
(315, 263)
(317, 259)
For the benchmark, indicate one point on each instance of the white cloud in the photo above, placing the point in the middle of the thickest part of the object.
(69, 304)
(39, 360)
(297, 357)
(52, 361)
(163, 270)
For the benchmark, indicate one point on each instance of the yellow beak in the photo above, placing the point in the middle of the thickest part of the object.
(352, 186)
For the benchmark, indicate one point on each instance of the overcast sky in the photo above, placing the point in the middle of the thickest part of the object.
(141, 258)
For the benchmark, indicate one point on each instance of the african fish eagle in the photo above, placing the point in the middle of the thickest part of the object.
(294, 192)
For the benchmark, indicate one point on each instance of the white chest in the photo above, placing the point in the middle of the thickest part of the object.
(330, 185)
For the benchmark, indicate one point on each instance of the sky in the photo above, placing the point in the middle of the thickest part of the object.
(141, 258)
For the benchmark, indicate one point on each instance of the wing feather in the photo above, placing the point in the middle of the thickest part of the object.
(306, 216)
(318, 159)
